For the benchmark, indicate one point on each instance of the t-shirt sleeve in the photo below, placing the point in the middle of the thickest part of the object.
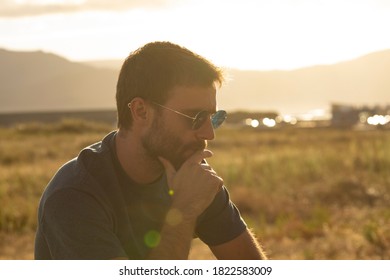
(76, 226)
(221, 221)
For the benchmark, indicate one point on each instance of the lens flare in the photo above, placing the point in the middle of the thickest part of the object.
(152, 238)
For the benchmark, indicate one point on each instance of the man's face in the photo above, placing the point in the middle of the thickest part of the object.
(170, 135)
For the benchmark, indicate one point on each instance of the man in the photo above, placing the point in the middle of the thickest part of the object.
(146, 190)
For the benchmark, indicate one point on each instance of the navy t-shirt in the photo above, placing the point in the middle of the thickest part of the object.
(92, 210)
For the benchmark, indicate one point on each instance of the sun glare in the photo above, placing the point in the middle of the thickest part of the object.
(247, 35)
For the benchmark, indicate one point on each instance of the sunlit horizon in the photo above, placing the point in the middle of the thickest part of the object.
(270, 66)
(246, 35)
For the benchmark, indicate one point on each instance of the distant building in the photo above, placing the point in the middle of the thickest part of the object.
(347, 116)
(344, 116)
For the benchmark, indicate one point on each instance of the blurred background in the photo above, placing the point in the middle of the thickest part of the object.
(307, 91)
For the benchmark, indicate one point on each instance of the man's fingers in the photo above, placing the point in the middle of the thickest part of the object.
(199, 157)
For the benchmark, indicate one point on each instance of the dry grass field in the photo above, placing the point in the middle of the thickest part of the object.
(306, 193)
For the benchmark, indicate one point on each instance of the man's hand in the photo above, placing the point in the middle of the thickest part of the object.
(194, 185)
(193, 188)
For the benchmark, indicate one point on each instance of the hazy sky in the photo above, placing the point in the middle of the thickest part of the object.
(246, 34)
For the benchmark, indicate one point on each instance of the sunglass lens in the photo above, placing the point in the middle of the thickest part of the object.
(218, 118)
(200, 119)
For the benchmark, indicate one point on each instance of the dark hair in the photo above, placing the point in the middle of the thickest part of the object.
(154, 69)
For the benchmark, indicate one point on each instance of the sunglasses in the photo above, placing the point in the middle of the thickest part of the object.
(200, 118)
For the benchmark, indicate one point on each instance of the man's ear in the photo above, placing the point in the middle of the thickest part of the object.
(139, 109)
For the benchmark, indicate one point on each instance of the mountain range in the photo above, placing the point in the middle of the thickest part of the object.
(38, 81)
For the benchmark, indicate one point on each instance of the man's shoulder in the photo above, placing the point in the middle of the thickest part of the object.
(96, 156)
(101, 149)
(93, 167)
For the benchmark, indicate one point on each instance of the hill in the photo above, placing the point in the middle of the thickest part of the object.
(37, 81)
(363, 81)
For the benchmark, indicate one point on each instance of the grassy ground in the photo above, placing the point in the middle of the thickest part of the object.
(307, 193)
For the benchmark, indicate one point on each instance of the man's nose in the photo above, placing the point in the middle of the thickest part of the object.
(206, 131)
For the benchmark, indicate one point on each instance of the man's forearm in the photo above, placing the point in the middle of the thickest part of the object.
(243, 247)
(175, 238)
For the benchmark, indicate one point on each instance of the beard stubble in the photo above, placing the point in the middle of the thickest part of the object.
(159, 141)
